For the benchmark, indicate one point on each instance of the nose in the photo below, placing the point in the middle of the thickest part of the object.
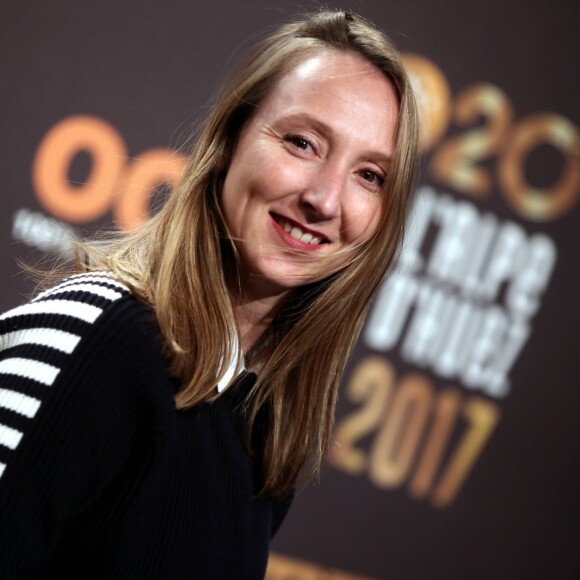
(323, 194)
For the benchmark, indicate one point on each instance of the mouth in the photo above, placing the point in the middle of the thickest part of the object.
(299, 232)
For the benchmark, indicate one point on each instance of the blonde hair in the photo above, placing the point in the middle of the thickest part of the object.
(175, 261)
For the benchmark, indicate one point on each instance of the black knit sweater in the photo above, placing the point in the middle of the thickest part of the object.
(100, 476)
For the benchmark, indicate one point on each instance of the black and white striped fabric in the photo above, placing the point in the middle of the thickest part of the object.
(35, 341)
(101, 476)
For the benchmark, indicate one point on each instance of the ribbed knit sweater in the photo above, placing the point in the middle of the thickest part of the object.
(100, 476)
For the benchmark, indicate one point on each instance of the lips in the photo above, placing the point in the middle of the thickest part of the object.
(298, 232)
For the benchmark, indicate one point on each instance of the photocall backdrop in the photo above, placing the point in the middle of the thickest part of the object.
(457, 452)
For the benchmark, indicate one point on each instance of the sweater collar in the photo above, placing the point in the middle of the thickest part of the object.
(235, 367)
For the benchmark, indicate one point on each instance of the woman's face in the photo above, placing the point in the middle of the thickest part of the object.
(304, 185)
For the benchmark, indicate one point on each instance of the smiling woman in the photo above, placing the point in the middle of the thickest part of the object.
(194, 363)
(307, 173)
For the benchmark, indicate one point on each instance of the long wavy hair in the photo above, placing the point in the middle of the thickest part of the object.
(176, 260)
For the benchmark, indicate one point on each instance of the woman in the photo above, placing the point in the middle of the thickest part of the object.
(265, 258)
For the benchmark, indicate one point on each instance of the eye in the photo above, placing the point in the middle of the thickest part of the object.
(375, 179)
(299, 142)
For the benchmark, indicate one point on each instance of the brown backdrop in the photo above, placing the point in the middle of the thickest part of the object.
(457, 448)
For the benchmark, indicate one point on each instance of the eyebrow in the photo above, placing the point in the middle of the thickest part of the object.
(375, 156)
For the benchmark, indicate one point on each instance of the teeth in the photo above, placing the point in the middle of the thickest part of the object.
(297, 233)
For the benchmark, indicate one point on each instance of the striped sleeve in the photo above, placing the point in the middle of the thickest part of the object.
(36, 341)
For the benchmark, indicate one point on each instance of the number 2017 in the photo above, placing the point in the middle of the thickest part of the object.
(432, 439)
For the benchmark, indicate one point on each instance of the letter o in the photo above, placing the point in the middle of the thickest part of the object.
(89, 201)
(146, 172)
(433, 98)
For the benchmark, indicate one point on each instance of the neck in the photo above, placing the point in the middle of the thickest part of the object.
(254, 316)
(254, 303)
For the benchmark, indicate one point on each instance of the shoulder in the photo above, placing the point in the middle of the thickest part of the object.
(74, 351)
(38, 338)
(73, 305)
(84, 397)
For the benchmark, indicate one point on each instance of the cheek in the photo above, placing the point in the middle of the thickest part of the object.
(364, 218)
(250, 179)
(226, 201)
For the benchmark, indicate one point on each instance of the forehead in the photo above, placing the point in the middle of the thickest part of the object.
(339, 88)
(331, 65)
